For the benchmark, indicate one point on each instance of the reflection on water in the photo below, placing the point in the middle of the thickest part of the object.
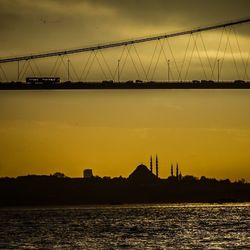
(127, 227)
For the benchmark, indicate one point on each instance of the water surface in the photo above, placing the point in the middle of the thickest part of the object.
(198, 226)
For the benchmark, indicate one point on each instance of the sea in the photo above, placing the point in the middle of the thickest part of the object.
(158, 226)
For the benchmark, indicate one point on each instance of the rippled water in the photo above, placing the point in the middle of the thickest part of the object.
(127, 227)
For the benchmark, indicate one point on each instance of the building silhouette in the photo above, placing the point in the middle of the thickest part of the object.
(180, 176)
(151, 164)
(177, 171)
(172, 170)
(156, 167)
(142, 186)
(87, 173)
(142, 175)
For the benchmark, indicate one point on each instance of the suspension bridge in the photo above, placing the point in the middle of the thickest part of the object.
(210, 57)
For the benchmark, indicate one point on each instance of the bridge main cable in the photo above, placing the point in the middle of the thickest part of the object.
(122, 43)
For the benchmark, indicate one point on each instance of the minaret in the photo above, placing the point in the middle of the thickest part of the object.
(172, 170)
(151, 164)
(156, 166)
(177, 171)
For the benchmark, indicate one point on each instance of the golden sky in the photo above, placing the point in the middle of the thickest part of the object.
(207, 132)
(54, 24)
(28, 26)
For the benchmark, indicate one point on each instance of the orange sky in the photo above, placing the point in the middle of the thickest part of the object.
(207, 132)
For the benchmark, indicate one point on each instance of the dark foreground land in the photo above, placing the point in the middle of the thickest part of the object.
(127, 85)
(52, 190)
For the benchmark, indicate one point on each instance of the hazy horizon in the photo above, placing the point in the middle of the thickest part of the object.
(112, 131)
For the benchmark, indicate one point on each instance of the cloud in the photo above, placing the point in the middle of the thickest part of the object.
(163, 13)
(29, 26)
(158, 11)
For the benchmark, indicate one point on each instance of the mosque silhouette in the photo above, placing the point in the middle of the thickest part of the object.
(143, 174)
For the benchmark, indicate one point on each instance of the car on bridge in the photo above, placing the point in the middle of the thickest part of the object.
(195, 81)
(138, 81)
(108, 81)
(239, 81)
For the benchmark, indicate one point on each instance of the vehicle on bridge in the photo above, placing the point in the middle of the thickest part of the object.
(207, 81)
(239, 81)
(108, 81)
(42, 80)
(195, 81)
(138, 81)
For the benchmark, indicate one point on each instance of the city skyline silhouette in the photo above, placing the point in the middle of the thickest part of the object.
(141, 186)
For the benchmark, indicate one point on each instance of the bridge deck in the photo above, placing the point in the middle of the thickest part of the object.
(124, 85)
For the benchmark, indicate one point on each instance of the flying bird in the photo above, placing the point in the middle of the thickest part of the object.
(45, 21)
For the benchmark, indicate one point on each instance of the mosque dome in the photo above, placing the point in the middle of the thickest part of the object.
(142, 175)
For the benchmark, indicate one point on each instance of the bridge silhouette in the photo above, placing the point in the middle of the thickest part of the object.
(214, 56)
